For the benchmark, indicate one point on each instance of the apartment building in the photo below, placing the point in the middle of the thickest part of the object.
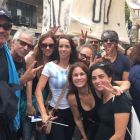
(25, 13)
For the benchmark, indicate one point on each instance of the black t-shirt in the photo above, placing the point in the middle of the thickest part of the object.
(4, 75)
(120, 104)
(20, 67)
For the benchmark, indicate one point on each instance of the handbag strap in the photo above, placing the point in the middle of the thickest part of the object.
(58, 100)
(60, 96)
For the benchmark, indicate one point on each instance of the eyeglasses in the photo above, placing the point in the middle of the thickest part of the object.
(23, 43)
(44, 46)
(95, 42)
(84, 56)
(6, 26)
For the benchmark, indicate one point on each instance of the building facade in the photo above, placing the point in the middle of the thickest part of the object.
(25, 13)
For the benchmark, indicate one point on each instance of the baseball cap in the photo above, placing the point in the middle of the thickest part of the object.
(6, 14)
(111, 35)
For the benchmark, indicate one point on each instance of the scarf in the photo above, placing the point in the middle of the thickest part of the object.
(13, 78)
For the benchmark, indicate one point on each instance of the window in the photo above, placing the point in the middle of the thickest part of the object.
(23, 14)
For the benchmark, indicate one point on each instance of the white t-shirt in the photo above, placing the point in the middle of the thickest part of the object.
(57, 77)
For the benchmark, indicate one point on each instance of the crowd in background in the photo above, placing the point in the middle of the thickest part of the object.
(100, 84)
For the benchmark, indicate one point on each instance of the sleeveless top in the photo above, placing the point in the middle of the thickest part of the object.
(90, 118)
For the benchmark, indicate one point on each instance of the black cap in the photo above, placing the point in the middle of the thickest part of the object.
(110, 34)
(6, 14)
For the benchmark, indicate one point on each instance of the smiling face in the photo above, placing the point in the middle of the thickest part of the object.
(85, 55)
(64, 48)
(99, 77)
(79, 77)
(4, 33)
(23, 44)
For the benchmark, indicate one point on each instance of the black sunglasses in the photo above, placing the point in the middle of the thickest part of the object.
(51, 46)
(111, 40)
(103, 64)
(6, 26)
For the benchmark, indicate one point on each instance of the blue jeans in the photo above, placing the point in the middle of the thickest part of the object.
(26, 128)
(28, 131)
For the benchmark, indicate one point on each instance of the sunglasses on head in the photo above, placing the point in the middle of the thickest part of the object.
(6, 26)
(51, 46)
(103, 64)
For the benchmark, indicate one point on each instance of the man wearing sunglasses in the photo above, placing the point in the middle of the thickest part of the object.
(86, 54)
(8, 74)
(5, 25)
(23, 43)
(121, 63)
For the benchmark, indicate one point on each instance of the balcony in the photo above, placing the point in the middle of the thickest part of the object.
(22, 21)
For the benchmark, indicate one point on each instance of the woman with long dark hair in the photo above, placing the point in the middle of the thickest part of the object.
(42, 54)
(113, 111)
(83, 100)
(56, 72)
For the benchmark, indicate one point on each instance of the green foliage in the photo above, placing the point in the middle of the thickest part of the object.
(127, 13)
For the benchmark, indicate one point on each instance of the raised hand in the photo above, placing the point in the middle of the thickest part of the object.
(54, 29)
(83, 37)
(111, 89)
(30, 73)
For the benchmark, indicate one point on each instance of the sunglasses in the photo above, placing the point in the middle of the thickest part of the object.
(44, 46)
(103, 64)
(110, 40)
(95, 42)
(6, 26)
(23, 43)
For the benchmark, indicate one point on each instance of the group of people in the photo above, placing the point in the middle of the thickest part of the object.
(94, 85)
